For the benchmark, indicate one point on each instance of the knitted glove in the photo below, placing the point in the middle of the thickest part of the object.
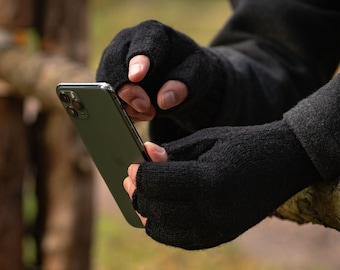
(173, 56)
(219, 182)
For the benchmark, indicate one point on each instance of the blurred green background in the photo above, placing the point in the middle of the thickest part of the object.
(116, 244)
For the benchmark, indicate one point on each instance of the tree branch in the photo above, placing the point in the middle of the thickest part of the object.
(37, 74)
(318, 204)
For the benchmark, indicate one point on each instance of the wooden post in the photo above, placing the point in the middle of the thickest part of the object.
(16, 13)
(64, 186)
(64, 182)
(62, 26)
(13, 160)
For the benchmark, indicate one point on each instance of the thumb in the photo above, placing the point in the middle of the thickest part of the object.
(171, 94)
(156, 152)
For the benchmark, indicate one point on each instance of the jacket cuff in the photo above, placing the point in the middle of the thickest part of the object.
(316, 123)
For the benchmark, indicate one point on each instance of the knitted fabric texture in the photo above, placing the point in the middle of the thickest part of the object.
(219, 182)
(316, 122)
(173, 56)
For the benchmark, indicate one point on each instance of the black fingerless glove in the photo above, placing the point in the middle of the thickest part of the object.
(173, 56)
(219, 182)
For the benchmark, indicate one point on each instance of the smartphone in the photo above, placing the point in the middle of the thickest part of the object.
(108, 133)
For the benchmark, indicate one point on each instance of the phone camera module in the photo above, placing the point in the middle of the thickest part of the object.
(64, 98)
(72, 111)
(77, 104)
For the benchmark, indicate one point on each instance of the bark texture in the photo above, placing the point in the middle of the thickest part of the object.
(13, 160)
(318, 204)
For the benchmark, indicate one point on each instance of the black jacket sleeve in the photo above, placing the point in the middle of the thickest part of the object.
(316, 123)
(272, 54)
(277, 53)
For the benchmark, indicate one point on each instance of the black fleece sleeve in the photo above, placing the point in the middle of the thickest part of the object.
(316, 123)
(276, 53)
(272, 54)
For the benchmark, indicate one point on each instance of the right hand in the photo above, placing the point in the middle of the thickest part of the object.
(155, 68)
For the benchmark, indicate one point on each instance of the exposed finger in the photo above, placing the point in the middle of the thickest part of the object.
(142, 219)
(132, 171)
(171, 94)
(135, 96)
(152, 40)
(156, 152)
(137, 116)
(129, 186)
(138, 67)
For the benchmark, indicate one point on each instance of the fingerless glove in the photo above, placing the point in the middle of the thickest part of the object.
(219, 182)
(173, 56)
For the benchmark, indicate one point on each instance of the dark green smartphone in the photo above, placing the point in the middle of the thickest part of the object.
(108, 133)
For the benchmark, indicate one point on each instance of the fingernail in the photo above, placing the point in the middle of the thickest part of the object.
(160, 150)
(139, 105)
(156, 147)
(168, 100)
(134, 69)
(127, 184)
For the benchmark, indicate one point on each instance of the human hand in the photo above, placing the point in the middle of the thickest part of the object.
(212, 186)
(157, 154)
(139, 107)
(154, 69)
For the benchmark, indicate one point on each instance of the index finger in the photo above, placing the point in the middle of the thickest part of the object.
(138, 67)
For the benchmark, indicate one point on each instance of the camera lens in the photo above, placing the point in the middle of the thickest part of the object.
(71, 111)
(64, 98)
(77, 104)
